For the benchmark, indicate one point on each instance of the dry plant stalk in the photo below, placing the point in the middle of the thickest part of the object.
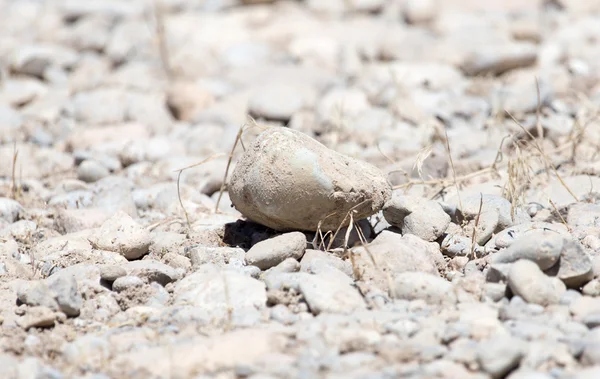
(474, 236)
(163, 49)
(453, 169)
(14, 191)
(180, 171)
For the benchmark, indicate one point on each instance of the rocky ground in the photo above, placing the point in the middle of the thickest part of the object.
(458, 236)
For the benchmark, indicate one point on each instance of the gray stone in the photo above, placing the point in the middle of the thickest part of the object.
(509, 235)
(592, 288)
(91, 171)
(10, 210)
(428, 287)
(584, 214)
(284, 166)
(541, 247)
(271, 252)
(525, 279)
(66, 292)
(288, 265)
(575, 268)
(220, 256)
(316, 258)
(421, 217)
(279, 101)
(214, 294)
(498, 60)
(111, 273)
(323, 294)
(124, 283)
(499, 355)
(123, 235)
(37, 317)
(153, 271)
(391, 254)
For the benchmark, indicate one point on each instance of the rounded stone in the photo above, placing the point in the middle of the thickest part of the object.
(289, 181)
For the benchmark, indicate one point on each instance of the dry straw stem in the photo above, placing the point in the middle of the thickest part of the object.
(13, 186)
(474, 237)
(163, 49)
(562, 219)
(238, 138)
(179, 172)
(544, 156)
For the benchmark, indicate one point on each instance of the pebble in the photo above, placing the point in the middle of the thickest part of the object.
(525, 279)
(500, 355)
(423, 218)
(324, 294)
(541, 247)
(123, 235)
(575, 265)
(395, 254)
(37, 317)
(213, 292)
(153, 271)
(126, 282)
(10, 210)
(498, 60)
(221, 256)
(273, 251)
(112, 273)
(417, 285)
(419, 12)
(91, 171)
(322, 195)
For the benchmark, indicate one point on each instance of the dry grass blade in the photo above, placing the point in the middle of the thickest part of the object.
(538, 121)
(348, 214)
(538, 147)
(179, 172)
(424, 153)
(562, 219)
(453, 169)
(474, 236)
(238, 138)
(161, 39)
(13, 187)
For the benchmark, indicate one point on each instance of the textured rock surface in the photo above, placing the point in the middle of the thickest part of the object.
(285, 167)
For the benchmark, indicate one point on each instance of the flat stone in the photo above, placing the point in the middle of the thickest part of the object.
(123, 235)
(324, 294)
(271, 252)
(541, 247)
(575, 268)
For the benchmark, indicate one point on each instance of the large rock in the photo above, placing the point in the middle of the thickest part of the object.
(288, 181)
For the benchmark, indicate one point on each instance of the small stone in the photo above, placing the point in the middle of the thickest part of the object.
(111, 273)
(37, 317)
(153, 271)
(498, 60)
(418, 285)
(395, 254)
(575, 268)
(592, 288)
(91, 171)
(123, 235)
(66, 292)
(288, 265)
(271, 252)
(541, 247)
(584, 214)
(124, 283)
(499, 355)
(324, 295)
(220, 256)
(419, 11)
(421, 217)
(455, 245)
(279, 101)
(314, 258)
(494, 291)
(525, 279)
(185, 100)
(10, 210)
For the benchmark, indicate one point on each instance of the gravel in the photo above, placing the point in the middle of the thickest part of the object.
(283, 189)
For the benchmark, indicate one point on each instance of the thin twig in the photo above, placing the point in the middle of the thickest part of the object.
(474, 237)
